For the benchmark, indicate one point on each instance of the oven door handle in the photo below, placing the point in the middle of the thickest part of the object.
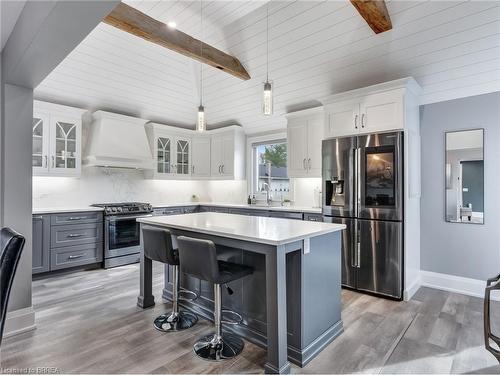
(120, 218)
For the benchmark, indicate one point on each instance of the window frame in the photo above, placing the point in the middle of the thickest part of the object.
(252, 141)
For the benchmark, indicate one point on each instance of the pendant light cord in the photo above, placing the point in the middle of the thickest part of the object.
(267, 42)
(201, 52)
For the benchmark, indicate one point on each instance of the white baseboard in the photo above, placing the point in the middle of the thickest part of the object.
(412, 289)
(19, 321)
(455, 284)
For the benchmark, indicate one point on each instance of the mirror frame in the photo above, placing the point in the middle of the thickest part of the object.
(445, 178)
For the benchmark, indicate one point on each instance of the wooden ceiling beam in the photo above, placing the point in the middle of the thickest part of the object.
(133, 21)
(375, 14)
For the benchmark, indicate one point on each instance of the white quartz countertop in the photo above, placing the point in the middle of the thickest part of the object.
(311, 210)
(272, 231)
(55, 210)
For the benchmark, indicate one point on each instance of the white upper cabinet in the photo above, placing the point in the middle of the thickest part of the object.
(183, 156)
(40, 149)
(200, 161)
(171, 149)
(228, 153)
(372, 109)
(297, 146)
(382, 111)
(56, 140)
(304, 137)
(342, 119)
(183, 153)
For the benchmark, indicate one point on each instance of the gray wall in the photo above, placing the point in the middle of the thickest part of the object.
(16, 182)
(466, 250)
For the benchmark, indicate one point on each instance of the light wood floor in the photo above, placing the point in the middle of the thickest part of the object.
(88, 323)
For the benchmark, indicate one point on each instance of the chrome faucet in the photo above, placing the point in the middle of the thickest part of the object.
(267, 188)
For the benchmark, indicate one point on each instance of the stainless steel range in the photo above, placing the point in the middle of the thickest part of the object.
(122, 232)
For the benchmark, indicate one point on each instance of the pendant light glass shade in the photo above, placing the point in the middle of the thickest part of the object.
(200, 123)
(267, 99)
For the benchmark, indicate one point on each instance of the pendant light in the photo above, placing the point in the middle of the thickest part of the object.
(200, 122)
(267, 96)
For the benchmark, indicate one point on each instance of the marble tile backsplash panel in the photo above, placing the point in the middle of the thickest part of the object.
(98, 185)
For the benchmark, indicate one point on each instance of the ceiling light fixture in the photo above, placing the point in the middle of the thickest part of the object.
(267, 96)
(200, 123)
(172, 24)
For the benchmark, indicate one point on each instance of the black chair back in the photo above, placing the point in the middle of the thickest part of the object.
(491, 285)
(12, 244)
(198, 258)
(158, 246)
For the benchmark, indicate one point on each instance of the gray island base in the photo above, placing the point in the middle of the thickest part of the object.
(291, 304)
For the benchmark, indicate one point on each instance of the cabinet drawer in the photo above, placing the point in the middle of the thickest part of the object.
(313, 217)
(76, 218)
(69, 235)
(167, 211)
(286, 215)
(72, 256)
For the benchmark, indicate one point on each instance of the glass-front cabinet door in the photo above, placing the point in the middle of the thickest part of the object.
(164, 165)
(65, 137)
(183, 146)
(40, 143)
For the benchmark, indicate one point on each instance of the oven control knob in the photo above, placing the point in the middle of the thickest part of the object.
(145, 207)
(119, 209)
(113, 209)
(108, 209)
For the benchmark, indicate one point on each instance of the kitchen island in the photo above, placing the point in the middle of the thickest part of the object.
(291, 304)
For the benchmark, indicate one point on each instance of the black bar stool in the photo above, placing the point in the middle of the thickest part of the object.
(199, 259)
(491, 285)
(158, 247)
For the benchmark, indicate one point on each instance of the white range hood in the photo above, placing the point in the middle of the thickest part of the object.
(117, 141)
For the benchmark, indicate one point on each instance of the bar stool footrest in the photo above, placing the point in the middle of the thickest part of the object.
(238, 318)
(189, 295)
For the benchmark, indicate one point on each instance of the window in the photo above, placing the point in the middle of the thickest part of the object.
(269, 169)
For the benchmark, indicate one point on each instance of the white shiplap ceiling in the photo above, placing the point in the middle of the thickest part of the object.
(317, 48)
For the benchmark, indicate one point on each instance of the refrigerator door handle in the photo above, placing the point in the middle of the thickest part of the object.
(354, 255)
(358, 179)
(358, 251)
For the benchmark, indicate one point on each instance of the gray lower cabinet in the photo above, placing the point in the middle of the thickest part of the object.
(249, 212)
(71, 235)
(313, 217)
(224, 210)
(76, 218)
(167, 211)
(72, 256)
(190, 209)
(41, 243)
(65, 240)
(286, 215)
(158, 211)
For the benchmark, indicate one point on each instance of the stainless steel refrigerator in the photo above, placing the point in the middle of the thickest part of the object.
(363, 189)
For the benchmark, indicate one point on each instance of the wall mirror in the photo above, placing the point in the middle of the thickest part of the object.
(464, 176)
